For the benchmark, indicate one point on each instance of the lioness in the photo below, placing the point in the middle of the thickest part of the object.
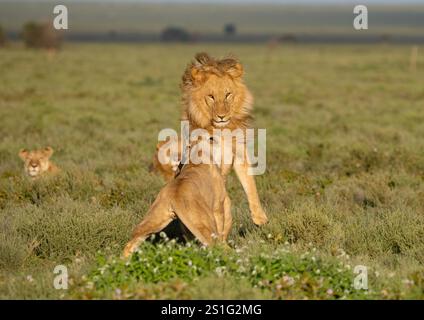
(214, 96)
(197, 196)
(37, 162)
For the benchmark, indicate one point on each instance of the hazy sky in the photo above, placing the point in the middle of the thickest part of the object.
(400, 2)
(287, 1)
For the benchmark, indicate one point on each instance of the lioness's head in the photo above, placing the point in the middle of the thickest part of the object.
(36, 162)
(167, 158)
(214, 93)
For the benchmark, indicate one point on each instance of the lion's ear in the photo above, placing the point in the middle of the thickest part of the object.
(197, 76)
(23, 154)
(235, 70)
(203, 58)
(48, 151)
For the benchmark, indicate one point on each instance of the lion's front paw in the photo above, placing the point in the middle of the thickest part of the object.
(259, 216)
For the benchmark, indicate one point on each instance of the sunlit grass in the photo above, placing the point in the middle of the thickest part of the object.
(345, 172)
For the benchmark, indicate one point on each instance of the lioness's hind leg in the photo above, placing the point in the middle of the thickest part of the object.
(158, 217)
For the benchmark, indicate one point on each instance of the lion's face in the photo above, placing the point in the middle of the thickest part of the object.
(215, 94)
(37, 161)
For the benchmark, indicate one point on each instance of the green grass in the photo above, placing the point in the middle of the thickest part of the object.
(343, 186)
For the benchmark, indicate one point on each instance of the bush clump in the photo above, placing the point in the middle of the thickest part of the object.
(41, 36)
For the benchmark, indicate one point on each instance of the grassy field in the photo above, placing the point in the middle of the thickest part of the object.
(344, 184)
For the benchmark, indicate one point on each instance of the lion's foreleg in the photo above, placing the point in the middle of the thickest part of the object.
(248, 182)
(228, 218)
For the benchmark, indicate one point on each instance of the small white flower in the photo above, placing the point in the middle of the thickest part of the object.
(29, 278)
(330, 292)
(408, 282)
(288, 280)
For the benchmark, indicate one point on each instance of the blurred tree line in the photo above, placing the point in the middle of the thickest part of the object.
(40, 35)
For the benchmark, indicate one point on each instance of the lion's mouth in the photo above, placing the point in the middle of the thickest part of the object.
(33, 172)
(221, 123)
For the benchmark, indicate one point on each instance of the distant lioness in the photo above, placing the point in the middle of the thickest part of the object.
(214, 96)
(37, 162)
(197, 196)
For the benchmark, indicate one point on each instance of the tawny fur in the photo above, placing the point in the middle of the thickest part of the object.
(215, 96)
(197, 197)
(167, 170)
(37, 162)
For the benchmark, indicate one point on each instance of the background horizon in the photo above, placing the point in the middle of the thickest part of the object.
(249, 21)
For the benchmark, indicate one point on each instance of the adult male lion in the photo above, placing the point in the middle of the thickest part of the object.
(215, 97)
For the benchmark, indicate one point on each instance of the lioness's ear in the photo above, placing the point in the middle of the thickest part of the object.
(235, 70)
(23, 154)
(160, 144)
(48, 151)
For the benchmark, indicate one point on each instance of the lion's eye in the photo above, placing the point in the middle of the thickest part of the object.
(210, 100)
(229, 95)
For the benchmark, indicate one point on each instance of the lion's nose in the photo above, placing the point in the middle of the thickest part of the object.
(221, 117)
(33, 164)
